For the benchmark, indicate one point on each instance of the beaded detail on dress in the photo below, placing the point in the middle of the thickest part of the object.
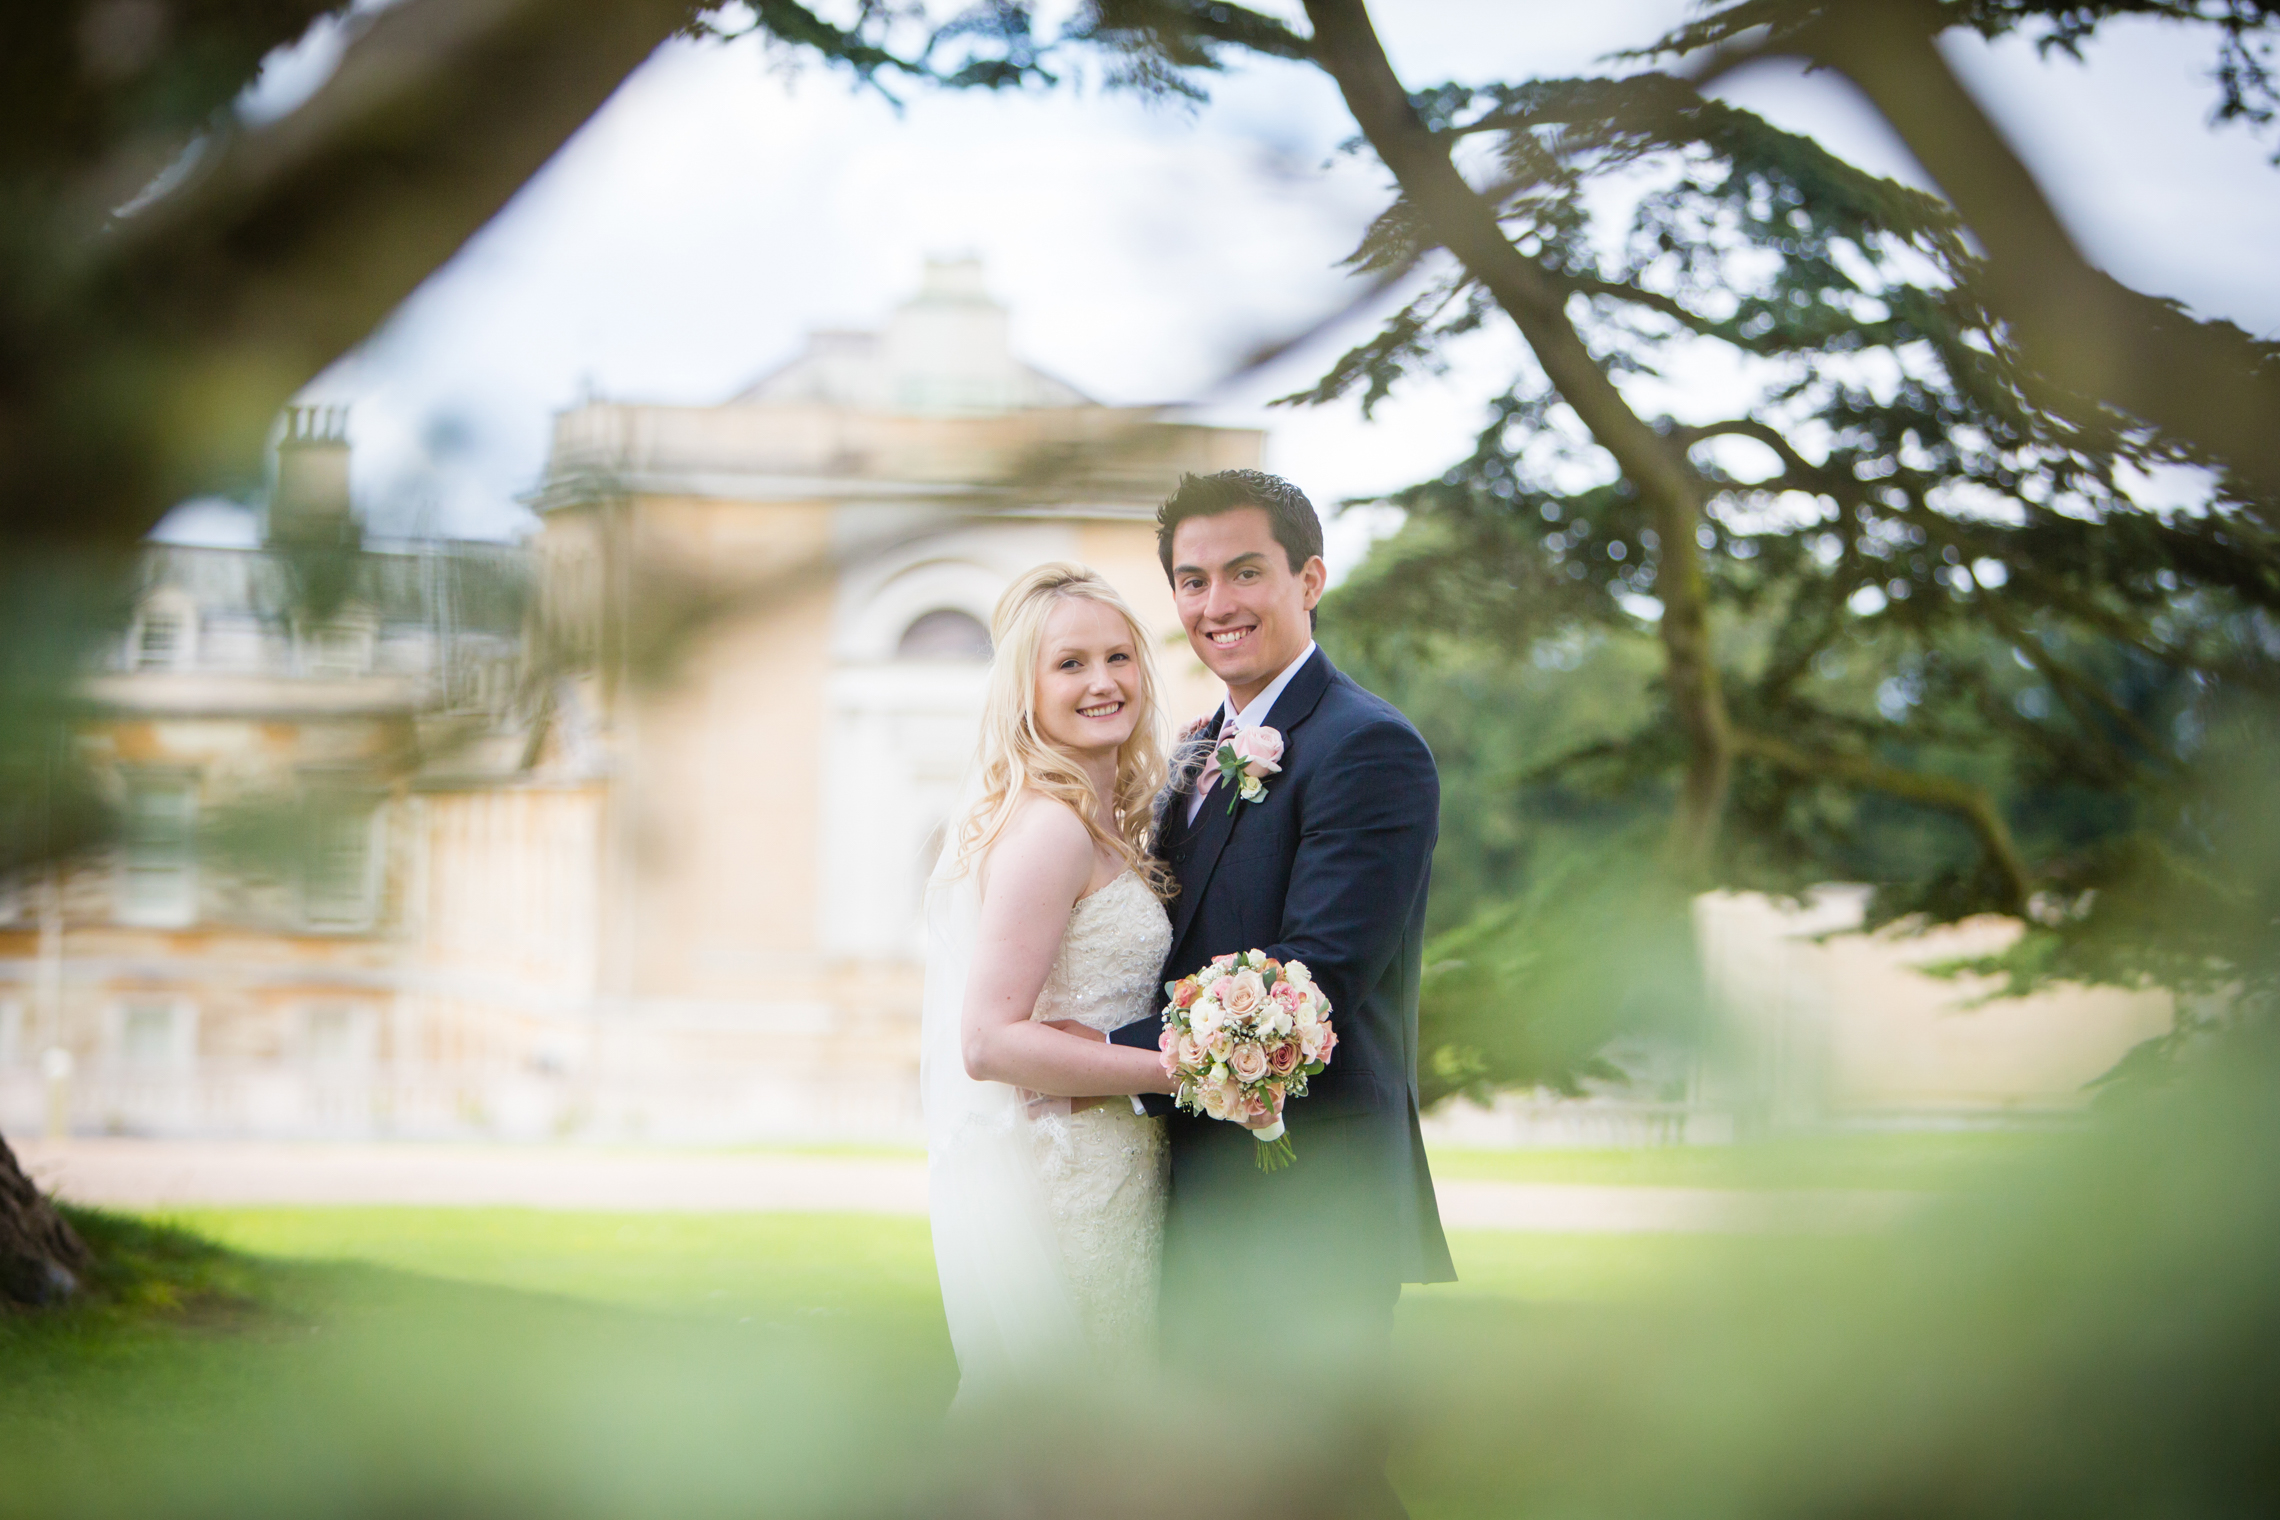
(1105, 1168)
(1111, 954)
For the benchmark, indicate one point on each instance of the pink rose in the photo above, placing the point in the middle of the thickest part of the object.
(1287, 997)
(1248, 1062)
(1243, 994)
(1261, 750)
(1190, 1054)
(1329, 1043)
(1223, 960)
(1283, 1058)
(1185, 994)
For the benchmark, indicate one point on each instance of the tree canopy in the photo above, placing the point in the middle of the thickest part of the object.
(2065, 610)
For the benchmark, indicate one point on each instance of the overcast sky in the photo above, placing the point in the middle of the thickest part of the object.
(714, 211)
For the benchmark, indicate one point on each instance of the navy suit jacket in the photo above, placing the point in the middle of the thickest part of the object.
(1330, 868)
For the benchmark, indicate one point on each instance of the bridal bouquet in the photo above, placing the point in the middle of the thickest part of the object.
(1241, 1036)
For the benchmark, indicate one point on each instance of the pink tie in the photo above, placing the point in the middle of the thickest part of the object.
(1210, 773)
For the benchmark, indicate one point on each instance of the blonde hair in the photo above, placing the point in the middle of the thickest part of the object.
(1016, 756)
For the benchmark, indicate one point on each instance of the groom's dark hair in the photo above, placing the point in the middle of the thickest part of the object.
(1296, 527)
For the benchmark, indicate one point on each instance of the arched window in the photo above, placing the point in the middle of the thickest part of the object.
(945, 634)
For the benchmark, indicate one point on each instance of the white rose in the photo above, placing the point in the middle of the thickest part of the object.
(1295, 971)
(1279, 1022)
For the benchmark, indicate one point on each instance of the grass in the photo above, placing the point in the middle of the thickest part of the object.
(388, 1361)
(395, 1362)
(354, 1360)
(2034, 1349)
(777, 1268)
(726, 1266)
(1907, 1161)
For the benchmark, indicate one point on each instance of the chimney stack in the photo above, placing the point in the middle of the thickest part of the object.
(310, 504)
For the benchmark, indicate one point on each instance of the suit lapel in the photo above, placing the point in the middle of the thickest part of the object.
(1215, 825)
(1200, 849)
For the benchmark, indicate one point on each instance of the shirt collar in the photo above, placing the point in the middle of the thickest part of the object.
(1255, 716)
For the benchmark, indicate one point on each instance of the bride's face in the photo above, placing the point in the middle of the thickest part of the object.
(1088, 678)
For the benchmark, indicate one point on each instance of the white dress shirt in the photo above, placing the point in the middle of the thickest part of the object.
(1254, 716)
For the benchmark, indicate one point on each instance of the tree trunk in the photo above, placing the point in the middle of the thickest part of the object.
(40, 1255)
(1346, 47)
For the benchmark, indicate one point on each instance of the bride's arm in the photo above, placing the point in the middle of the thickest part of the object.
(1037, 870)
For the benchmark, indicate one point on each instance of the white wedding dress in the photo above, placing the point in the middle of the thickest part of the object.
(1048, 1225)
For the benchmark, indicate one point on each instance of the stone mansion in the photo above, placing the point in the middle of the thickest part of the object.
(620, 832)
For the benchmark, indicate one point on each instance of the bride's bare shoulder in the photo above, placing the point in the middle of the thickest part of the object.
(1045, 841)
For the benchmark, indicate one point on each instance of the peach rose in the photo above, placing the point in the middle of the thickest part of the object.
(1185, 993)
(1243, 994)
(1224, 960)
(1248, 1062)
(1188, 1052)
(1283, 1059)
(1215, 1100)
(1329, 1043)
(1261, 750)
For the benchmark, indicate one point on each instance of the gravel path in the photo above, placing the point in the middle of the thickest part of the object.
(146, 1174)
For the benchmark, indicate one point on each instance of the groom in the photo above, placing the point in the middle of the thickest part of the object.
(1330, 868)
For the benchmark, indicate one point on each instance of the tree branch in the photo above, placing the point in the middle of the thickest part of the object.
(1970, 803)
(2206, 382)
(2078, 692)
(188, 324)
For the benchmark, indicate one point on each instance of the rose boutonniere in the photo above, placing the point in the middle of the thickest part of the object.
(1244, 759)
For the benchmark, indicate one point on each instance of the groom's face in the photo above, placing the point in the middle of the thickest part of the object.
(1244, 608)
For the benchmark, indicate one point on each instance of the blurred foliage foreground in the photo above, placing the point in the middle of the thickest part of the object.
(2092, 1332)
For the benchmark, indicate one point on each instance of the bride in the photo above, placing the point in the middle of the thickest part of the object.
(1046, 930)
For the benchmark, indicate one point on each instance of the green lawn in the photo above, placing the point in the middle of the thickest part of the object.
(777, 1268)
(735, 1267)
(2053, 1339)
(1908, 1161)
(291, 1361)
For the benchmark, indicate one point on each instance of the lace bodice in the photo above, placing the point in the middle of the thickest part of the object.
(1104, 1168)
(1111, 955)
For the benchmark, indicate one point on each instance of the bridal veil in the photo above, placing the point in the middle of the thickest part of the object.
(1005, 1290)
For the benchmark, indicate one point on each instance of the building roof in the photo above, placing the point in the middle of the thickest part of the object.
(945, 351)
(470, 587)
